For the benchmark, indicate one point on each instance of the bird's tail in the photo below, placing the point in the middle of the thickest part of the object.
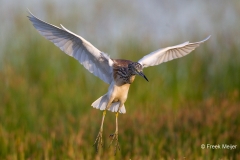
(101, 104)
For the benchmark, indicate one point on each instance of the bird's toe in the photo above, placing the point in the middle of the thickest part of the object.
(98, 142)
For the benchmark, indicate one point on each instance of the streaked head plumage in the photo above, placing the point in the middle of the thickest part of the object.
(135, 66)
(136, 69)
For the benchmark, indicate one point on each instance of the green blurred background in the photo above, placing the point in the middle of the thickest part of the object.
(45, 95)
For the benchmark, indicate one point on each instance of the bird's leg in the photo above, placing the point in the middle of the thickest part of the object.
(98, 142)
(114, 136)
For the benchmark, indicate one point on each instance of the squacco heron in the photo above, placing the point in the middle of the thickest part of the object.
(118, 73)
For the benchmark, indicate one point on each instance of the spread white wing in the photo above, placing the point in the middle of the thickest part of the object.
(90, 57)
(167, 54)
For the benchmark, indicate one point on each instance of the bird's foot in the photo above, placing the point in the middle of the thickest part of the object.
(114, 136)
(98, 142)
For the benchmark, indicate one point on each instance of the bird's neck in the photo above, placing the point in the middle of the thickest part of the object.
(131, 79)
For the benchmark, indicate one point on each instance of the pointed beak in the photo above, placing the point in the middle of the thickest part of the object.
(141, 74)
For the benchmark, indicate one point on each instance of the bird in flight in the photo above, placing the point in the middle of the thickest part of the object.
(118, 73)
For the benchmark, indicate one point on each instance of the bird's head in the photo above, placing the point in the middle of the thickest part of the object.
(137, 69)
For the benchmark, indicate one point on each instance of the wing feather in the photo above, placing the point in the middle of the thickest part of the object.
(175, 55)
(90, 57)
(167, 54)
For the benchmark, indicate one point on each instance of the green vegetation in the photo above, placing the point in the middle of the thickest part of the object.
(45, 99)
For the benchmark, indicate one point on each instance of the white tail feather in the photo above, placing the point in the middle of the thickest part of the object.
(101, 104)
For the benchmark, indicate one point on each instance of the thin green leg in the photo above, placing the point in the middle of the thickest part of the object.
(114, 137)
(98, 142)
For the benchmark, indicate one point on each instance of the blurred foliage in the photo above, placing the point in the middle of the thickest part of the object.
(45, 99)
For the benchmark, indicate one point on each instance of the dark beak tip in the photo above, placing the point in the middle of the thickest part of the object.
(146, 78)
(141, 74)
